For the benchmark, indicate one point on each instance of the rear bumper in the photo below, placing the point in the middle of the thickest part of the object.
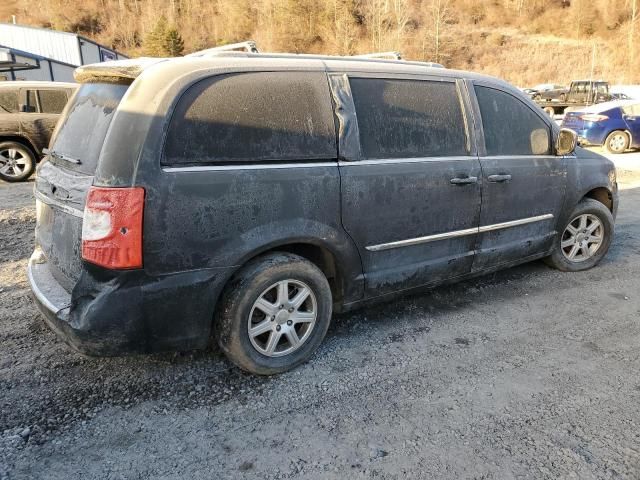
(115, 313)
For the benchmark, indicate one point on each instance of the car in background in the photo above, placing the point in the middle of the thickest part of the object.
(620, 96)
(614, 125)
(550, 92)
(29, 112)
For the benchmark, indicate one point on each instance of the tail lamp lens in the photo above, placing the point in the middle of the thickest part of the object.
(112, 227)
(594, 118)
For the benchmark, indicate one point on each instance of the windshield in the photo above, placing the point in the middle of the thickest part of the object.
(81, 133)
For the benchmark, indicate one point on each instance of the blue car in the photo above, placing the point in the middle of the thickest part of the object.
(614, 125)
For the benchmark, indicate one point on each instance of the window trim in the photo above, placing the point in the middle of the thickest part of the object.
(481, 142)
(168, 166)
(462, 102)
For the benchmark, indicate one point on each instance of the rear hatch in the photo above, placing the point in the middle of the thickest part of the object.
(67, 173)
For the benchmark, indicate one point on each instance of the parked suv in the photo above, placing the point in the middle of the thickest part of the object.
(250, 196)
(29, 112)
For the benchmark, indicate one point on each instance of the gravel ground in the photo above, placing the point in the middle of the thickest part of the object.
(527, 373)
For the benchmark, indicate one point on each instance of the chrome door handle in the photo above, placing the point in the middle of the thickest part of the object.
(464, 180)
(499, 178)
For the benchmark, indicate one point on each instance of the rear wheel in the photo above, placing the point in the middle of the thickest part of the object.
(617, 142)
(585, 239)
(274, 314)
(17, 161)
(563, 97)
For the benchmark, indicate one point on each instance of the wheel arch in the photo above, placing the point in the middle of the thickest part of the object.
(602, 195)
(22, 140)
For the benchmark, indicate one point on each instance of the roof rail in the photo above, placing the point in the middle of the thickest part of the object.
(382, 55)
(248, 46)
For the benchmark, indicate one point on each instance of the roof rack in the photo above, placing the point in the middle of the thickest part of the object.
(249, 46)
(382, 55)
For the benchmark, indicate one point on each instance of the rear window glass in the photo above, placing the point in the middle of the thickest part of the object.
(408, 118)
(510, 126)
(249, 117)
(84, 127)
(52, 101)
(8, 101)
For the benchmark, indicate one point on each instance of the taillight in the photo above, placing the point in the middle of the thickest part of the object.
(112, 227)
(593, 117)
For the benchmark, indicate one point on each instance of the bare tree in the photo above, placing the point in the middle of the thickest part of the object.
(437, 40)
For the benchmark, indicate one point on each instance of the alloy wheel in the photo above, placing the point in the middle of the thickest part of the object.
(282, 318)
(12, 162)
(582, 238)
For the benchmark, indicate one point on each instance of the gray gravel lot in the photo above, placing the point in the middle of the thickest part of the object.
(527, 373)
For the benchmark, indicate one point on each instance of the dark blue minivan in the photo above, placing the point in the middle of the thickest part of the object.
(614, 125)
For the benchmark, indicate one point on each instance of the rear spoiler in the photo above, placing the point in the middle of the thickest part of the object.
(117, 71)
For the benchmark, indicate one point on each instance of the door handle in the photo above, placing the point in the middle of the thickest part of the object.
(464, 180)
(499, 178)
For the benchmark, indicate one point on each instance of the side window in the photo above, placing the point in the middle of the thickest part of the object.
(249, 117)
(510, 126)
(8, 101)
(408, 118)
(52, 101)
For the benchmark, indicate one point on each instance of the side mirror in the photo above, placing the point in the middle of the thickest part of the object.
(566, 142)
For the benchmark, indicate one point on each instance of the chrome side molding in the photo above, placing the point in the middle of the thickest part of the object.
(457, 233)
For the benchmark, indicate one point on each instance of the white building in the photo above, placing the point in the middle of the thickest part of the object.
(43, 54)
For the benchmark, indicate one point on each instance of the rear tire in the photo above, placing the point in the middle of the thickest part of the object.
(563, 97)
(17, 161)
(585, 239)
(617, 142)
(274, 314)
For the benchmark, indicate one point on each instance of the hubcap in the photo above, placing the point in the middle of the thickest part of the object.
(582, 238)
(282, 318)
(12, 162)
(617, 142)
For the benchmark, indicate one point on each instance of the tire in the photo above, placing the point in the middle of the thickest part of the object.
(263, 279)
(563, 97)
(567, 241)
(17, 162)
(617, 142)
(537, 97)
(550, 111)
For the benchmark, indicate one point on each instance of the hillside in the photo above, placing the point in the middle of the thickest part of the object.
(524, 41)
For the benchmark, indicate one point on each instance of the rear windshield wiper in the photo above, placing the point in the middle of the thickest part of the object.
(61, 156)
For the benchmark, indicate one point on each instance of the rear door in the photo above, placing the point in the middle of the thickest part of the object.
(523, 181)
(410, 180)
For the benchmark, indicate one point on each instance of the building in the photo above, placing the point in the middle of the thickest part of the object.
(29, 53)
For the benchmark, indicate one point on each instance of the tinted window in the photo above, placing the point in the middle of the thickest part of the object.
(83, 129)
(408, 118)
(52, 101)
(262, 116)
(510, 126)
(8, 101)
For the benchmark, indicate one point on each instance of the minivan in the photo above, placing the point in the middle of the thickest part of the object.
(246, 197)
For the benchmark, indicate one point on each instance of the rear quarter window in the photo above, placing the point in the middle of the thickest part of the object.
(253, 117)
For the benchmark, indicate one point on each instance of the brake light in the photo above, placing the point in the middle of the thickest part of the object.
(112, 227)
(593, 117)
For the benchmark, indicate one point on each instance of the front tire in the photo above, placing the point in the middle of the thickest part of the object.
(585, 239)
(273, 314)
(617, 142)
(17, 162)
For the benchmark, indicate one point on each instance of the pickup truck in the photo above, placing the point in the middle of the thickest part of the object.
(581, 93)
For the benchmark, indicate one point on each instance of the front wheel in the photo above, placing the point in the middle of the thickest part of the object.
(585, 239)
(17, 162)
(617, 142)
(274, 314)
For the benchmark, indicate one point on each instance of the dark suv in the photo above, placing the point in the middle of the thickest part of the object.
(251, 195)
(29, 112)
